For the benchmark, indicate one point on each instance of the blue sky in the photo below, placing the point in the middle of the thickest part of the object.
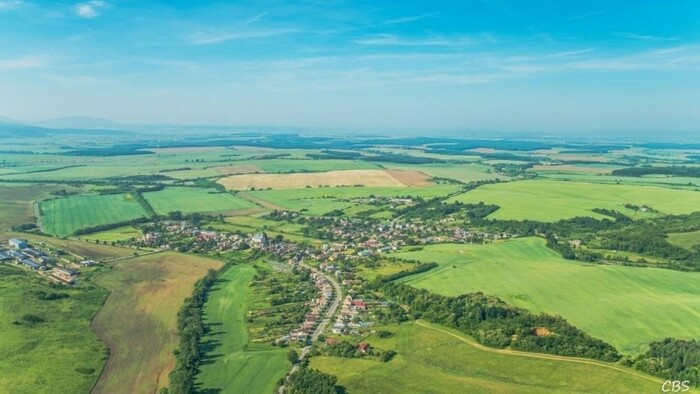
(467, 65)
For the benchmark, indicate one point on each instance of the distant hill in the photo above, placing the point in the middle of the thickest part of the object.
(83, 122)
(18, 130)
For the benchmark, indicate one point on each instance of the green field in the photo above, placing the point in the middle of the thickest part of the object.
(231, 364)
(16, 202)
(117, 234)
(63, 216)
(432, 361)
(190, 199)
(685, 240)
(318, 201)
(549, 201)
(59, 355)
(138, 321)
(625, 306)
(287, 165)
(462, 172)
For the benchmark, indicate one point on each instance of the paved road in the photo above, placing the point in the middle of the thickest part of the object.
(337, 297)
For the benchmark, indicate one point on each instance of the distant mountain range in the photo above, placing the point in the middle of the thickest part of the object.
(19, 130)
(83, 122)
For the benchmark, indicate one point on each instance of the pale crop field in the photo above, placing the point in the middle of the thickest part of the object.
(329, 178)
(138, 322)
(549, 201)
(627, 307)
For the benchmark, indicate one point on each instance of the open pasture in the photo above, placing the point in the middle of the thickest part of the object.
(190, 199)
(296, 165)
(118, 234)
(63, 216)
(434, 359)
(549, 201)
(471, 172)
(329, 178)
(58, 355)
(231, 364)
(317, 201)
(138, 322)
(627, 307)
(685, 240)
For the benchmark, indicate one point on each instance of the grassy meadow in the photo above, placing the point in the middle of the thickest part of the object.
(63, 216)
(190, 199)
(231, 363)
(317, 201)
(433, 361)
(549, 201)
(627, 307)
(60, 354)
(113, 235)
(138, 321)
(685, 240)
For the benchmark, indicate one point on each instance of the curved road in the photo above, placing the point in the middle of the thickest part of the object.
(337, 296)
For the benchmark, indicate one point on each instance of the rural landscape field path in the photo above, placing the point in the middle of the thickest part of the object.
(517, 353)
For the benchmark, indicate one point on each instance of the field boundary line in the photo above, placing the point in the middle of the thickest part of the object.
(259, 201)
(542, 356)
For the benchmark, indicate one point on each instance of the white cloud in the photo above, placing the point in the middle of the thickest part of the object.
(10, 4)
(209, 38)
(643, 37)
(90, 9)
(21, 63)
(410, 19)
(254, 19)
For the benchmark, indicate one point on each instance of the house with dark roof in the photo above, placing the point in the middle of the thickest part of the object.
(33, 265)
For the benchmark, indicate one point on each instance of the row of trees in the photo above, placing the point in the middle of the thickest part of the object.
(494, 323)
(693, 172)
(673, 359)
(190, 329)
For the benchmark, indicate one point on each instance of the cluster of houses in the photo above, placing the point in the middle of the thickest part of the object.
(22, 253)
(348, 320)
(313, 317)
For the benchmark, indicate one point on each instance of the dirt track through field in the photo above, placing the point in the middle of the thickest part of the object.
(517, 353)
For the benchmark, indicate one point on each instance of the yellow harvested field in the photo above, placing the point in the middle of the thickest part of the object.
(330, 178)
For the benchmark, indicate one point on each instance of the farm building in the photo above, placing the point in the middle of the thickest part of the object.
(65, 274)
(5, 257)
(364, 253)
(33, 265)
(17, 243)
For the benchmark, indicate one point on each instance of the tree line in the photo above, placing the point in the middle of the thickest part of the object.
(494, 323)
(190, 329)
